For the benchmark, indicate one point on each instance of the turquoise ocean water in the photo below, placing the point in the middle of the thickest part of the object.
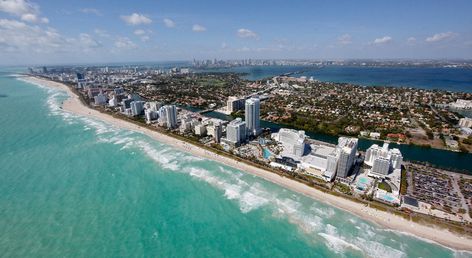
(76, 187)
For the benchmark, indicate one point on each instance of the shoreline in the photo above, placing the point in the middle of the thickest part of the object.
(384, 219)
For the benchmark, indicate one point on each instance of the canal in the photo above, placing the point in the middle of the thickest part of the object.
(456, 161)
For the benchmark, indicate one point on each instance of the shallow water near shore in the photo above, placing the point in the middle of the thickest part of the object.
(73, 186)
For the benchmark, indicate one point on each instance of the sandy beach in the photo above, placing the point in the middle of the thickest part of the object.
(384, 219)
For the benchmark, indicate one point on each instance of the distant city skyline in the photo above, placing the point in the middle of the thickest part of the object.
(58, 32)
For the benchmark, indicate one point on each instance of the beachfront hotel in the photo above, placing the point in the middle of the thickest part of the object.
(293, 141)
(236, 132)
(347, 154)
(168, 116)
(383, 160)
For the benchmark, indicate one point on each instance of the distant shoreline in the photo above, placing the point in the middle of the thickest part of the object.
(349, 78)
(385, 219)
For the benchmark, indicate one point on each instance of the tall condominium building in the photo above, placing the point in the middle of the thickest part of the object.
(200, 129)
(347, 154)
(236, 131)
(234, 104)
(137, 107)
(81, 81)
(381, 166)
(252, 116)
(218, 131)
(332, 165)
(392, 157)
(154, 105)
(150, 115)
(374, 152)
(396, 158)
(185, 125)
(126, 103)
(168, 116)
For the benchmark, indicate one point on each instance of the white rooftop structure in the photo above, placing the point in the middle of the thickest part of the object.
(317, 158)
(293, 141)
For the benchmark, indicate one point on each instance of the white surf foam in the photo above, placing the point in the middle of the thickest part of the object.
(337, 244)
(376, 249)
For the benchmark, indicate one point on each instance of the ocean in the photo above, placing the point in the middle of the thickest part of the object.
(451, 79)
(77, 187)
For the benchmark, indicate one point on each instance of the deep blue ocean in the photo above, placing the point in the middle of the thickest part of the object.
(77, 187)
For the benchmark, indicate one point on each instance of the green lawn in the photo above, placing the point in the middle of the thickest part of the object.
(384, 186)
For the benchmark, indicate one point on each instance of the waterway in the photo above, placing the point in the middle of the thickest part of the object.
(457, 161)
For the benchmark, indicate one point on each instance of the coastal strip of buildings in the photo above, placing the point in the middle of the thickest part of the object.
(375, 174)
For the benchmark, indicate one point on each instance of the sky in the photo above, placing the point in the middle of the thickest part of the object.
(86, 31)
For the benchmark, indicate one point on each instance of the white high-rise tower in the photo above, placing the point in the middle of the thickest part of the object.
(252, 116)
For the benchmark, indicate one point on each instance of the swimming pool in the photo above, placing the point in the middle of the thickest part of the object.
(387, 197)
(362, 183)
(266, 153)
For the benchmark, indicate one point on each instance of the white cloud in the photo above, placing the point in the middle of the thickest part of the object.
(246, 33)
(12, 24)
(88, 42)
(345, 39)
(18, 7)
(23, 9)
(125, 43)
(441, 36)
(26, 39)
(101, 33)
(382, 40)
(136, 19)
(91, 11)
(198, 28)
(169, 23)
(139, 32)
(411, 40)
(29, 17)
(143, 34)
